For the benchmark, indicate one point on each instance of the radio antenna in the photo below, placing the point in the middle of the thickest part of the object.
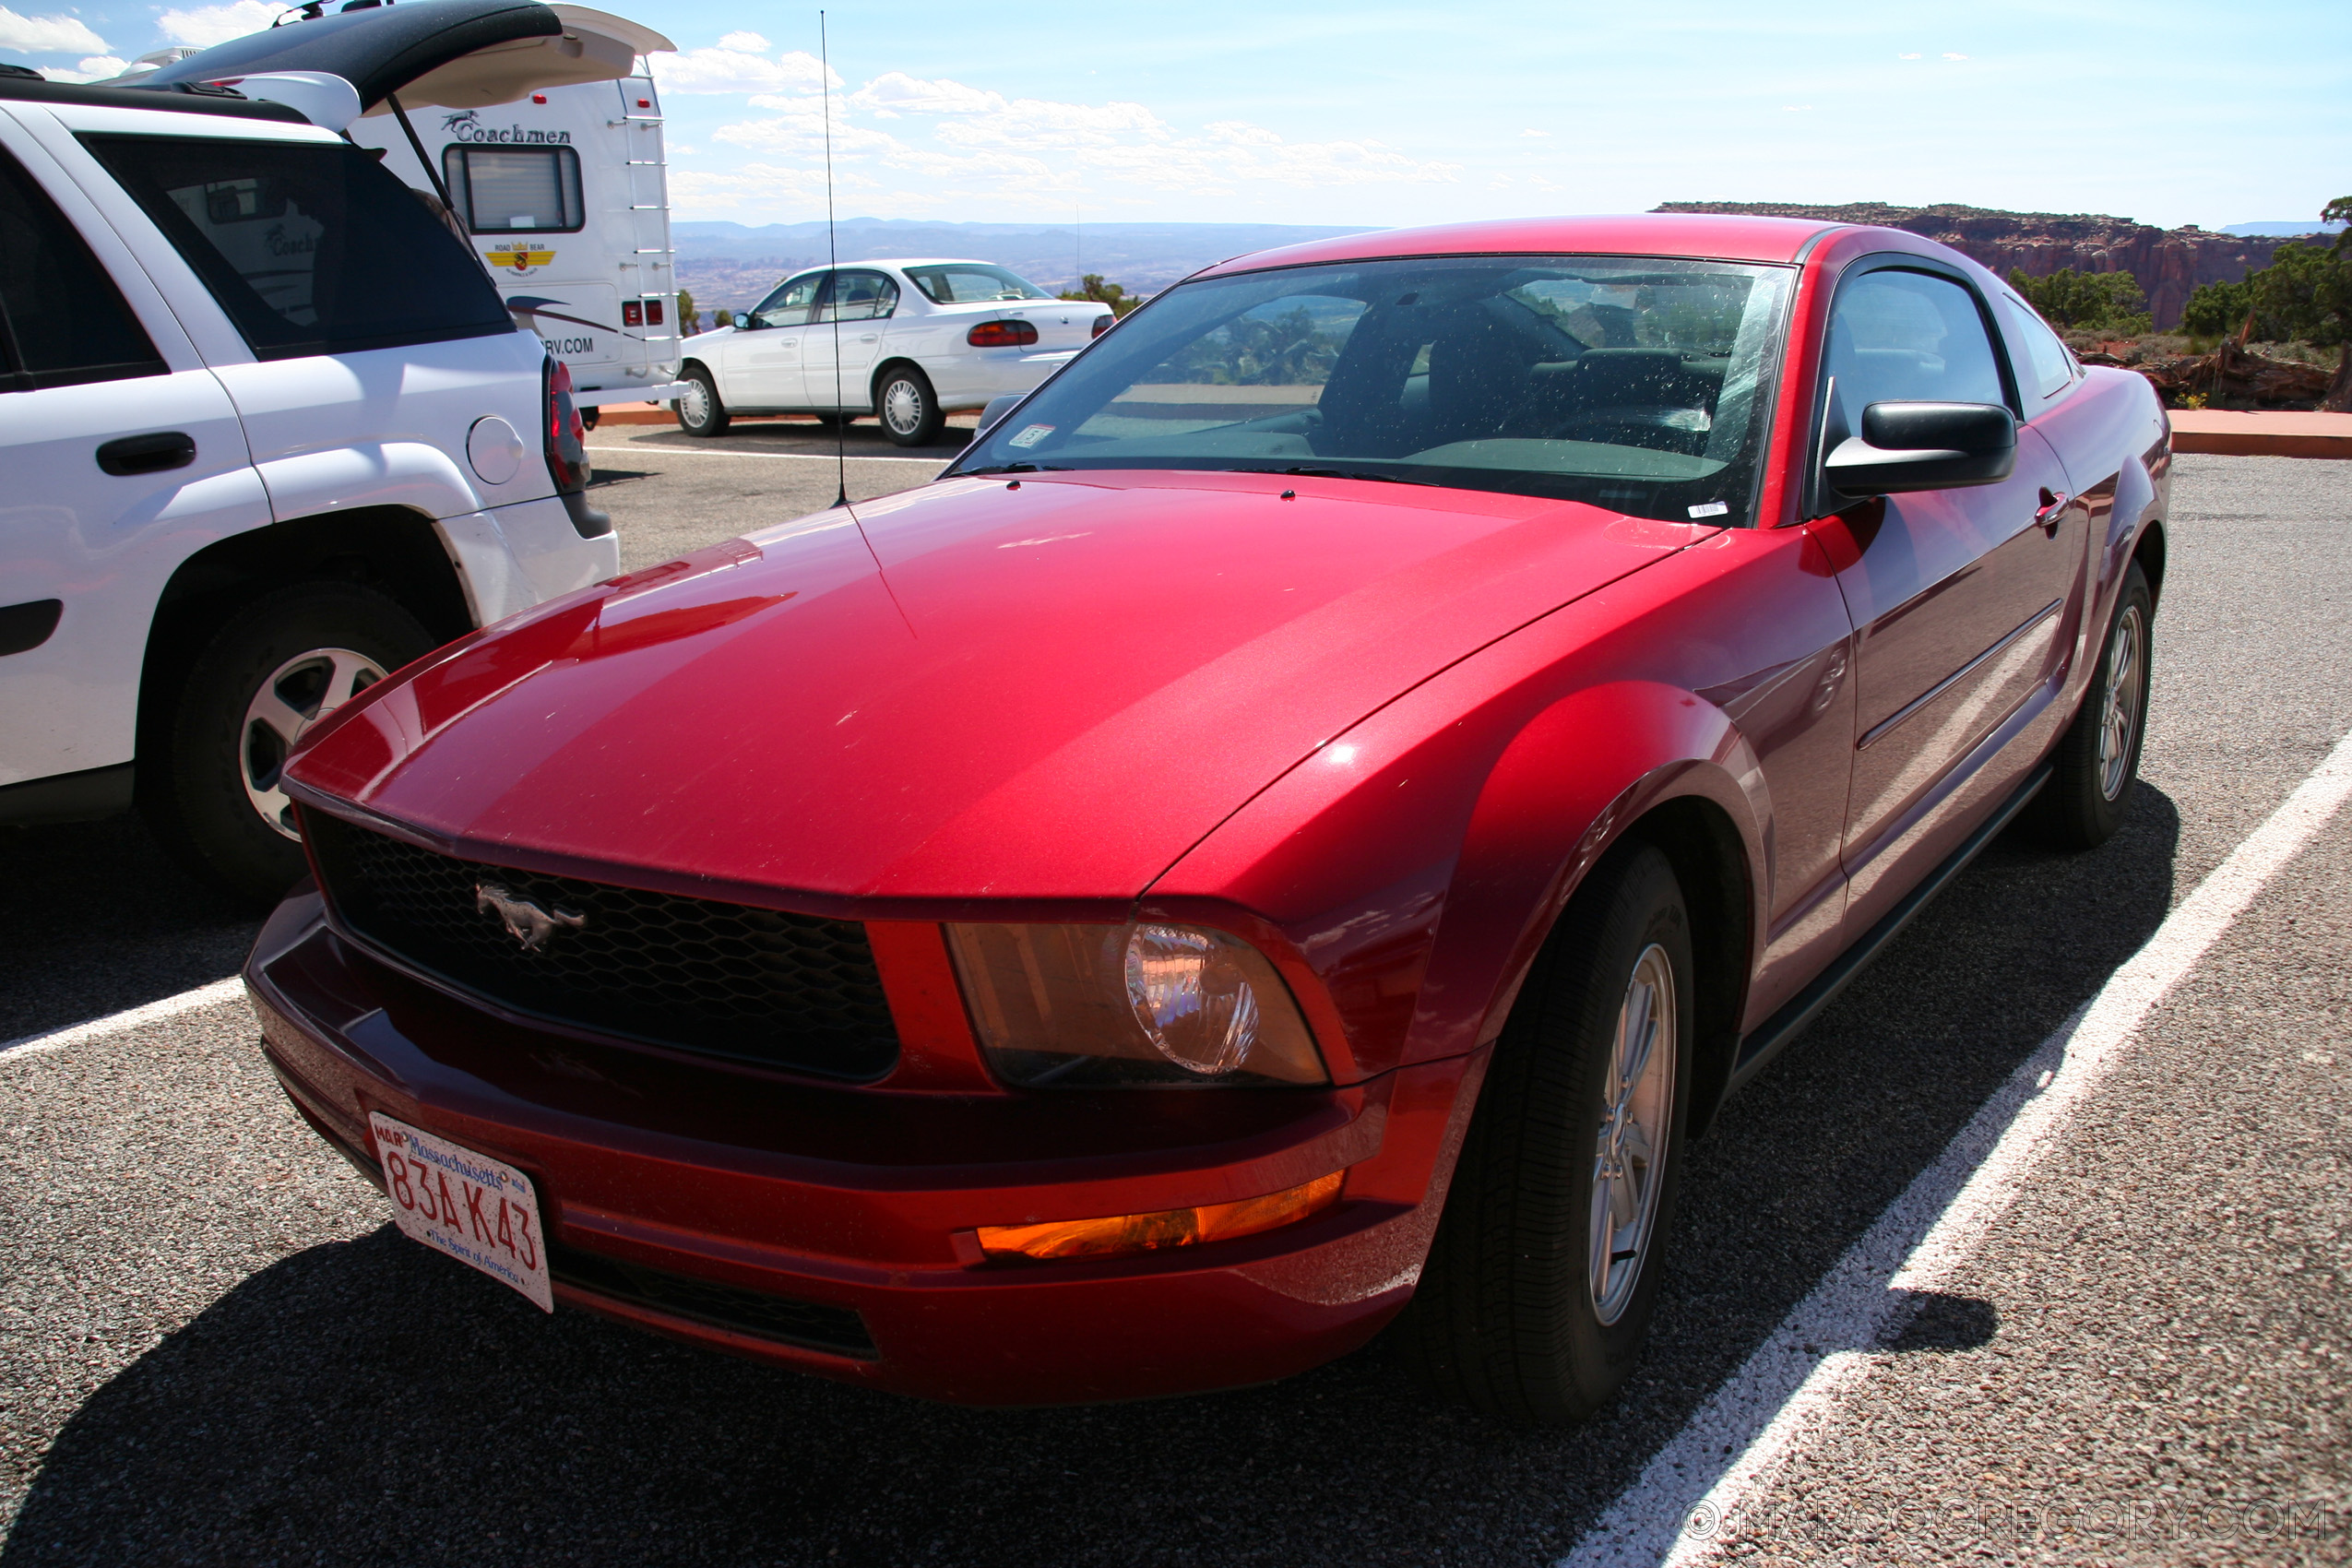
(833, 274)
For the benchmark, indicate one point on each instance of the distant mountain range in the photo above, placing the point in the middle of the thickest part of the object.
(2284, 229)
(732, 265)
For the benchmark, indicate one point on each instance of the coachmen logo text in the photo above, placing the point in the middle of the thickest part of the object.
(467, 127)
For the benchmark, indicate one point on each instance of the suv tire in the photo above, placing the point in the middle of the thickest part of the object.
(1519, 1313)
(910, 409)
(700, 412)
(281, 663)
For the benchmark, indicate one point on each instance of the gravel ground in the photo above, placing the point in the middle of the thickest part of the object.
(217, 1351)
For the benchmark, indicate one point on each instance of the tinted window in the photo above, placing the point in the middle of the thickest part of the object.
(1909, 337)
(792, 303)
(310, 247)
(1638, 384)
(970, 282)
(860, 296)
(507, 190)
(2045, 365)
(60, 317)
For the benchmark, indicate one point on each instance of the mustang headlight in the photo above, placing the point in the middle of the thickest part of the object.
(1147, 1004)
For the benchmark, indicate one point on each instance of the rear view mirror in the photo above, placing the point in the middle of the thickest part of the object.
(1909, 447)
(997, 408)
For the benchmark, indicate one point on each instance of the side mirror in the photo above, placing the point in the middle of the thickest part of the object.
(1909, 447)
(997, 408)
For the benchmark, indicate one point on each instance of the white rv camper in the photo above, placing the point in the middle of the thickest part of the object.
(560, 182)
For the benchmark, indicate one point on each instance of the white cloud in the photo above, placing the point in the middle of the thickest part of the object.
(205, 26)
(731, 69)
(1533, 133)
(1955, 56)
(47, 35)
(92, 68)
(1906, 56)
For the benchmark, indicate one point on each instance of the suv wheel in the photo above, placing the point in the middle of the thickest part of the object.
(1544, 1272)
(699, 410)
(909, 409)
(282, 664)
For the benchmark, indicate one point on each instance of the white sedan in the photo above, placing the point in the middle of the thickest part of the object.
(916, 340)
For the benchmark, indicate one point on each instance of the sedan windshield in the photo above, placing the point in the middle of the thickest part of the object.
(972, 282)
(1633, 383)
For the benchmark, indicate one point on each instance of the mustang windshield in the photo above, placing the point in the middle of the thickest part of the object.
(1631, 382)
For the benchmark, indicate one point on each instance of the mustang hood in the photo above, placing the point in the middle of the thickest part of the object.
(972, 690)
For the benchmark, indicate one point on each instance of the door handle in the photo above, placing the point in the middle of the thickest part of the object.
(868, 336)
(147, 454)
(2053, 511)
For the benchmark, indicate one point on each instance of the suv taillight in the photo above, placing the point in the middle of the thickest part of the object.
(567, 460)
(1103, 324)
(1001, 335)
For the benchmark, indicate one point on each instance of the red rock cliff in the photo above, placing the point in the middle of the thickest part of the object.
(2169, 263)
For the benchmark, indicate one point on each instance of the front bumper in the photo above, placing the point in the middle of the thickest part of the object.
(829, 1229)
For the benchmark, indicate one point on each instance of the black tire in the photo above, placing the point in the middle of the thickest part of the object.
(199, 801)
(908, 408)
(1507, 1318)
(701, 411)
(2090, 785)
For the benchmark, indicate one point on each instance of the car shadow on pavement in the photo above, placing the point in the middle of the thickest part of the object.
(368, 1401)
(95, 917)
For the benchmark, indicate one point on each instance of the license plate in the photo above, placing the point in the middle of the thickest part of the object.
(479, 1210)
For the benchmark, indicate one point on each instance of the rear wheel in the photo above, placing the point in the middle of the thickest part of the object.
(699, 409)
(285, 662)
(909, 409)
(1540, 1283)
(2098, 758)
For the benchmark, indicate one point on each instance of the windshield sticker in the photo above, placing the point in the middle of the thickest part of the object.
(1031, 436)
(1711, 509)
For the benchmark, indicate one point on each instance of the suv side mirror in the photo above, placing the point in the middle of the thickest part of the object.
(1907, 446)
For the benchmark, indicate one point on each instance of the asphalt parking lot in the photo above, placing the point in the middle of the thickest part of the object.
(215, 1349)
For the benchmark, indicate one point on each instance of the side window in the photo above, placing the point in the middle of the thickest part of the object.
(792, 303)
(61, 320)
(860, 296)
(2046, 365)
(1896, 336)
(505, 190)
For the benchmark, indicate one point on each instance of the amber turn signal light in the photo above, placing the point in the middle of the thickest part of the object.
(1169, 1228)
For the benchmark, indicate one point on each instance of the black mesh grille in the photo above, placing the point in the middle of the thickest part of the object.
(727, 980)
(837, 1329)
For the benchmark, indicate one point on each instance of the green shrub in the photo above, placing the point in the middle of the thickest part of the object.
(2094, 301)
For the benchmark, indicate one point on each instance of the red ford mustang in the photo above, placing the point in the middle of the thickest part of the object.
(1303, 823)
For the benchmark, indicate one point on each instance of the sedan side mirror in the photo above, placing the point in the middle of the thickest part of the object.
(1909, 447)
(997, 408)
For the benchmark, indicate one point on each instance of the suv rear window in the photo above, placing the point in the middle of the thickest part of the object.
(311, 247)
(61, 319)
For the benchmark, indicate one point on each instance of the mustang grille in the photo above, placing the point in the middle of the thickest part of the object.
(836, 1329)
(724, 979)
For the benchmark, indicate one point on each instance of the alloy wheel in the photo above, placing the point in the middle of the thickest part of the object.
(694, 402)
(1637, 1108)
(902, 405)
(2119, 704)
(300, 693)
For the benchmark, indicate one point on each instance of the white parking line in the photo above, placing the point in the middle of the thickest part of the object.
(800, 457)
(230, 989)
(1685, 1507)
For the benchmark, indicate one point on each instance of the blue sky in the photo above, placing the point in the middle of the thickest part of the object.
(1316, 112)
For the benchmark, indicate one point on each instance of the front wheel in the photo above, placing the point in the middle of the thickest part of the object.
(1541, 1281)
(699, 409)
(909, 409)
(2097, 758)
(282, 664)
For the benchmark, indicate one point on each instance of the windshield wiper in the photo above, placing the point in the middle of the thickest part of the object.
(1346, 473)
(1016, 469)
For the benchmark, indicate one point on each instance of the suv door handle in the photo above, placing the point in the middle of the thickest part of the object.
(2053, 510)
(147, 454)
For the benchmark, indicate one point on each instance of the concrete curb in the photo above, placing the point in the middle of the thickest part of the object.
(2232, 433)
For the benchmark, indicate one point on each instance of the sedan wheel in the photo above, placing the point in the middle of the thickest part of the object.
(699, 410)
(1544, 1272)
(910, 415)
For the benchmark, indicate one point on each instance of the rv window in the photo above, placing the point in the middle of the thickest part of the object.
(311, 247)
(510, 190)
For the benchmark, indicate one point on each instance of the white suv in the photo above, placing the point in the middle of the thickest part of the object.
(267, 433)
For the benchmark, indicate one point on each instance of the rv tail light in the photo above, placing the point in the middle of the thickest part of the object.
(1103, 324)
(1001, 335)
(653, 313)
(632, 313)
(1169, 1228)
(566, 437)
(538, 97)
